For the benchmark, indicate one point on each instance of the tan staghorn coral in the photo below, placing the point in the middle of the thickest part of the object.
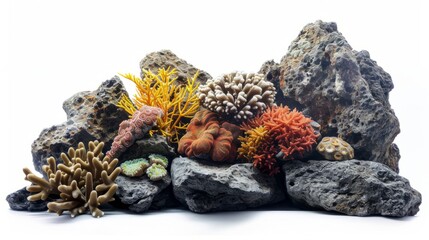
(178, 102)
(333, 148)
(236, 95)
(135, 128)
(84, 181)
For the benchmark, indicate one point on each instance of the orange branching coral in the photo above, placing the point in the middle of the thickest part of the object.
(205, 138)
(176, 101)
(278, 132)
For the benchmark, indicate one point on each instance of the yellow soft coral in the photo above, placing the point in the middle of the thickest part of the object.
(177, 101)
(250, 143)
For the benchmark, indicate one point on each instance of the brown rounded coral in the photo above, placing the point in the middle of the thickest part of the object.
(206, 138)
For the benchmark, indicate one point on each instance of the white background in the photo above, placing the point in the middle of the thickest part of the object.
(54, 49)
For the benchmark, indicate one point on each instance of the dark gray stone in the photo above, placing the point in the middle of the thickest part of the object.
(205, 187)
(138, 194)
(345, 91)
(144, 147)
(18, 201)
(90, 116)
(352, 187)
(165, 59)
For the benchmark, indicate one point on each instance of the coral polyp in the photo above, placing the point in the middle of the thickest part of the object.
(333, 148)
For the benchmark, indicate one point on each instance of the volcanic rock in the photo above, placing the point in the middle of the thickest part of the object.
(90, 116)
(204, 187)
(18, 201)
(157, 144)
(352, 187)
(345, 91)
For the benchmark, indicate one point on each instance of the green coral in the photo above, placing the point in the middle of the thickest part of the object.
(135, 168)
(155, 168)
(156, 172)
(159, 159)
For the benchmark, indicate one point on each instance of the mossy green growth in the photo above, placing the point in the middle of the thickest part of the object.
(156, 172)
(159, 159)
(135, 168)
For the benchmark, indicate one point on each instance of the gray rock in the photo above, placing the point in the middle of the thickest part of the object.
(345, 91)
(18, 201)
(165, 59)
(204, 187)
(143, 147)
(138, 194)
(352, 187)
(90, 116)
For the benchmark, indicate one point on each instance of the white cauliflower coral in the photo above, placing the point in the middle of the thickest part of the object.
(237, 95)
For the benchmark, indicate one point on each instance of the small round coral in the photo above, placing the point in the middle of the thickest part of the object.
(134, 168)
(156, 172)
(333, 148)
(236, 95)
(159, 159)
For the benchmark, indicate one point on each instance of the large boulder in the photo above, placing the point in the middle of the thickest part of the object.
(90, 116)
(345, 91)
(139, 194)
(167, 59)
(204, 187)
(351, 187)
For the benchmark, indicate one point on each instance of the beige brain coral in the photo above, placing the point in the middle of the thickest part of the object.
(333, 148)
(236, 95)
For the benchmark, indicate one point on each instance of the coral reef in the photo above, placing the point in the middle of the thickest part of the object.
(276, 133)
(135, 128)
(333, 148)
(134, 168)
(178, 103)
(155, 168)
(85, 180)
(206, 138)
(238, 96)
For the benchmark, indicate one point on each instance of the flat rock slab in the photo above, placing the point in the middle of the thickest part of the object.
(206, 187)
(139, 194)
(18, 201)
(351, 187)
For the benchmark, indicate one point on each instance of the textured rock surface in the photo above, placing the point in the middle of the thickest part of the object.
(144, 147)
(204, 187)
(138, 194)
(165, 59)
(351, 187)
(90, 116)
(343, 90)
(18, 201)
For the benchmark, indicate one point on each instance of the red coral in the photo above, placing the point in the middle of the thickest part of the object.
(205, 138)
(290, 135)
(135, 128)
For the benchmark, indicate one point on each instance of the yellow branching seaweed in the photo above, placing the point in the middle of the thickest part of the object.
(178, 102)
(250, 143)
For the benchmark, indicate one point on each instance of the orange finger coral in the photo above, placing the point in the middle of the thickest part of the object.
(178, 102)
(205, 138)
(277, 133)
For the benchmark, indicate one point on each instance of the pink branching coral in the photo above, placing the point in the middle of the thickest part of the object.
(285, 134)
(135, 128)
(206, 138)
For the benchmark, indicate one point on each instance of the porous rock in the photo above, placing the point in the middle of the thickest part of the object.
(204, 186)
(139, 194)
(352, 187)
(345, 91)
(165, 59)
(18, 201)
(90, 116)
(157, 144)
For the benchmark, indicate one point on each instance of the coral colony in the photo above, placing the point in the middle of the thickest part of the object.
(311, 128)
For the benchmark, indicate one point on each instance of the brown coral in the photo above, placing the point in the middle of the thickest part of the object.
(206, 138)
(85, 180)
(277, 133)
(333, 148)
(135, 128)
